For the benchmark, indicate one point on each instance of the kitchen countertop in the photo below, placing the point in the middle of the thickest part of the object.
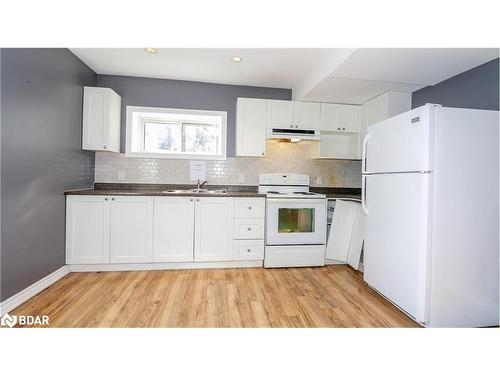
(162, 190)
(241, 191)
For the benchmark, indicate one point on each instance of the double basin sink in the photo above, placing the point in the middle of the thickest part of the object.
(196, 191)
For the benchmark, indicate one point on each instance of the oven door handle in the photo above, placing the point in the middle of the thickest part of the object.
(296, 200)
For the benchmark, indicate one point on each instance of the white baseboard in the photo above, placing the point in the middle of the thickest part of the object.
(18, 299)
(163, 266)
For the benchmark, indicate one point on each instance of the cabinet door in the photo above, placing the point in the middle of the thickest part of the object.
(213, 229)
(279, 114)
(340, 233)
(306, 115)
(101, 119)
(87, 229)
(94, 119)
(330, 117)
(351, 118)
(251, 127)
(173, 229)
(131, 234)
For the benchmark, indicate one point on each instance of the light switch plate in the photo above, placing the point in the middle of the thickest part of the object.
(241, 178)
(319, 180)
(121, 175)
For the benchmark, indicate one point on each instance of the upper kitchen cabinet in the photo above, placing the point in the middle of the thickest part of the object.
(306, 115)
(380, 108)
(340, 118)
(101, 119)
(251, 127)
(279, 114)
(292, 114)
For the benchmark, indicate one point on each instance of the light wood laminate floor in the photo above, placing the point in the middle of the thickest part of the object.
(332, 296)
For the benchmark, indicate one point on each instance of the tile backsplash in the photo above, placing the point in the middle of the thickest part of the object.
(281, 157)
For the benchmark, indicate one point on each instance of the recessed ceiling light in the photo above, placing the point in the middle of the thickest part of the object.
(236, 59)
(151, 50)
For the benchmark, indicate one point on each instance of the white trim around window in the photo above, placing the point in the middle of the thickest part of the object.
(137, 117)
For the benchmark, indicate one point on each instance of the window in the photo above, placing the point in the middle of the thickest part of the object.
(176, 133)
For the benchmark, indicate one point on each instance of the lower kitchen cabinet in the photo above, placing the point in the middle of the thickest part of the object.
(131, 229)
(87, 229)
(213, 229)
(141, 229)
(173, 239)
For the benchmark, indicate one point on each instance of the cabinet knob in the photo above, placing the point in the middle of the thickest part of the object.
(296, 126)
(104, 147)
(262, 154)
(197, 200)
(338, 128)
(106, 199)
(191, 199)
(249, 229)
(249, 207)
(343, 128)
(249, 250)
(291, 126)
(113, 199)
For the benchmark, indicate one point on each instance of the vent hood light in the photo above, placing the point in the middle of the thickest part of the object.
(295, 140)
(151, 50)
(236, 59)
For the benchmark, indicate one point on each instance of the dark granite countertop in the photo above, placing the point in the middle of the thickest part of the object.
(232, 190)
(166, 190)
(339, 192)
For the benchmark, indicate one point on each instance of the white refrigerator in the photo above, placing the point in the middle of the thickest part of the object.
(430, 194)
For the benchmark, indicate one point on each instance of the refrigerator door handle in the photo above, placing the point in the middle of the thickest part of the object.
(363, 195)
(363, 155)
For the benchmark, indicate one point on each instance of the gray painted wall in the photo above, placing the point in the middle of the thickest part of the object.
(150, 92)
(41, 94)
(476, 88)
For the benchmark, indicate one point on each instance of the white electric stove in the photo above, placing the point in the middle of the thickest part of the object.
(295, 221)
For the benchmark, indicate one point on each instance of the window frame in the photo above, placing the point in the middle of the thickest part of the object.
(139, 132)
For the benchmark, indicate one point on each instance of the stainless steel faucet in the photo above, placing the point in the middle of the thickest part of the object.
(200, 185)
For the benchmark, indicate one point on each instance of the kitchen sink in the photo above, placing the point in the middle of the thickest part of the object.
(196, 191)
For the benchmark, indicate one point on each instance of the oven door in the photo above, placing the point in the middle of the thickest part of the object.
(296, 221)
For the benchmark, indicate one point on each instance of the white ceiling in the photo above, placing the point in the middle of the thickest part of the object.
(282, 68)
(331, 75)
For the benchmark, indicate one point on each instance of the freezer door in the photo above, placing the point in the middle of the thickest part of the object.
(395, 250)
(400, 143)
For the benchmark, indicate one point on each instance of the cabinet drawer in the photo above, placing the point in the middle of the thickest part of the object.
(248, 228)
(248, 250)
(249, 208)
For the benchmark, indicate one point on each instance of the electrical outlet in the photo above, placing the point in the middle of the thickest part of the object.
(319, 180)
(241, 178)
(121, 175)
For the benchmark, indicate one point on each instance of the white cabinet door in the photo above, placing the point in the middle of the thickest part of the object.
(213, 229)
(131, 234)
(173, 229)
(341, 231)
(101, 119)
(340, 118)
(306, 115)
(87, 229)
(251, 127)
(279, 114)
(351, 118)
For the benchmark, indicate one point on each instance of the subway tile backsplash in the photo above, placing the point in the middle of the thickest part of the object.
(281, 157)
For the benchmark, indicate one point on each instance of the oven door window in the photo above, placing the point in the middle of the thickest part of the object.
(296, 220)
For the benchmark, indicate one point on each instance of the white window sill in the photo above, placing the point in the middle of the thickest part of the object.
(174, 156)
